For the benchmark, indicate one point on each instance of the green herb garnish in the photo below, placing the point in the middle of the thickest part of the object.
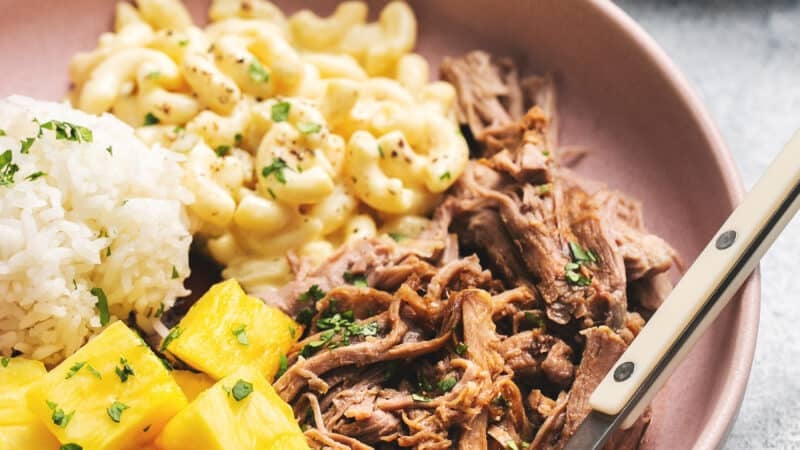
(241, 334)
(446, 384)
(160, 310)
(461, 349)
(339, 329)
(241, 390)
(292, 332)
(501, 401)
(74, 369)
(445, 176)
(183, 42)
(124, 370)
(153, 75)
(397, 236)
(7, 169)
(511, 445)
(237, 139)
(380, 151)
(115, 410)
(222, 150)
(102, 305)
(150, 119)
(25, 145)
(174, 333)
(257, 72)
(68, 131)
(308, 127)
(355, 280)
(420, 398)
(110, 150)
(280, 111)
(271, 193)
(276, 169)
(174, 276)
(313, 293)
(2, 132)
(35, 175)
(5, 360)
(283, 365)
(70, 446)
(59, 417)
(544, 188)
(581, 255)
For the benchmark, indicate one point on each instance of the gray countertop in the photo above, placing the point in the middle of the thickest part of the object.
(743, 60)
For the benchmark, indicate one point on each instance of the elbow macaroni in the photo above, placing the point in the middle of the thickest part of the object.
(300, 134)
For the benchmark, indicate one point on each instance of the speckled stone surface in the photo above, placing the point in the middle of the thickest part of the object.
(743, 60)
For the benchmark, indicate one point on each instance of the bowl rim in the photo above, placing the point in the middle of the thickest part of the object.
(733, 387)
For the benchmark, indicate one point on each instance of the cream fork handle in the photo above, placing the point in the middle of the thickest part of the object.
(703, 291)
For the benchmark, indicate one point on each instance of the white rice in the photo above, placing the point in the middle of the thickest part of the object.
(112, 220)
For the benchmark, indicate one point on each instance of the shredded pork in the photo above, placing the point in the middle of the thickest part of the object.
(490, 330)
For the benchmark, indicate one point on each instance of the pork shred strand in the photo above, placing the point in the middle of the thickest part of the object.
(495, 324)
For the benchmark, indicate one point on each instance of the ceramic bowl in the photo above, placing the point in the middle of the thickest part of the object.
(620, 97)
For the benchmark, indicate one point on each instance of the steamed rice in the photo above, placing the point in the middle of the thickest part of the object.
(108, 214)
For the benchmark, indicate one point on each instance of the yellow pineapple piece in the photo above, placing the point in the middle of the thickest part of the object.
(33, 436)
(192, 384)
(241, 411)
(227, 329)
(114, 393)
(19, 428)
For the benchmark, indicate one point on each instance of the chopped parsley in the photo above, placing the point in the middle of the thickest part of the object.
(7, 168)
(511, 445)
(461, 349)
(355, 280)
(5, 361)
(257, 72)
(80, 365)
(160, 310)
(338, 329)
(175, 275)
(110, 150)
(420, 398)
(292, 332)
(35, 175)
(241, 390)
(25, 145)
(501, 401)
(59, 417)
(183, 42)
(537, 319)
(276, 169)
(545, 153)
(272, 193)
(380, 151)
(308, 127)
(115, 410)
(222, 150)
(544, 188)
(446, 384)
(241, 334)
(153, 75)
(445, 176)
(581, 255)
(237, 139)
(67, 131)
(397, 236)
(124, 370)
(102, 305)
(283, 365)
(70, 446)
(165, 363)
(174, 333)
(150, 119)
(2, 132)
(313, 293)
(280, 111)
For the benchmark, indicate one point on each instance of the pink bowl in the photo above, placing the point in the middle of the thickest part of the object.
(619, 95)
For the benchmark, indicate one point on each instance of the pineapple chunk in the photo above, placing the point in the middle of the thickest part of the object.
(114, 393)
(233, 416)
(19, 428)
(33, 436)
(192, 384)
(227, 329)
